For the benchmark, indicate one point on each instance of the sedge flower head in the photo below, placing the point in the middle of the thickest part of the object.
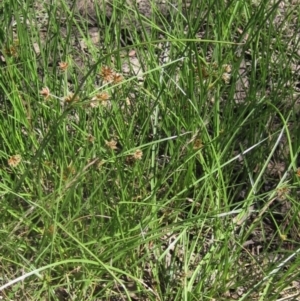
(13, 50)
(99, 164)
(107, 74)
(197, 144)
(227, 68)
(227, 73)
(138, 154)
(45, 92)
(101, 98)
(70, 98)
(63, 66)
(117, 78)
(226, 77)
(91, 138)
(112, 144)
(283, 192)
(14, 160)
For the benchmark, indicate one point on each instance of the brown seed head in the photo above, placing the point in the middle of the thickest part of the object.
(91, 138)
(112, 144)
(197, 144)
(14, 160)
(101, 98)
(226, 77)
(227, 68)
(45, 92)
(70, 98)
(117, 78)
(107, 73)
(63, 66)
(138, 154)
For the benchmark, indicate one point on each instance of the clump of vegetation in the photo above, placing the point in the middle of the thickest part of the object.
(149, 160)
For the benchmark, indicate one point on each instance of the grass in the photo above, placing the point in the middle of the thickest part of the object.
(184, 186)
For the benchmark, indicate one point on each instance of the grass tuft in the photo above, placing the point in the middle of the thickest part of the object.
(149, 156)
